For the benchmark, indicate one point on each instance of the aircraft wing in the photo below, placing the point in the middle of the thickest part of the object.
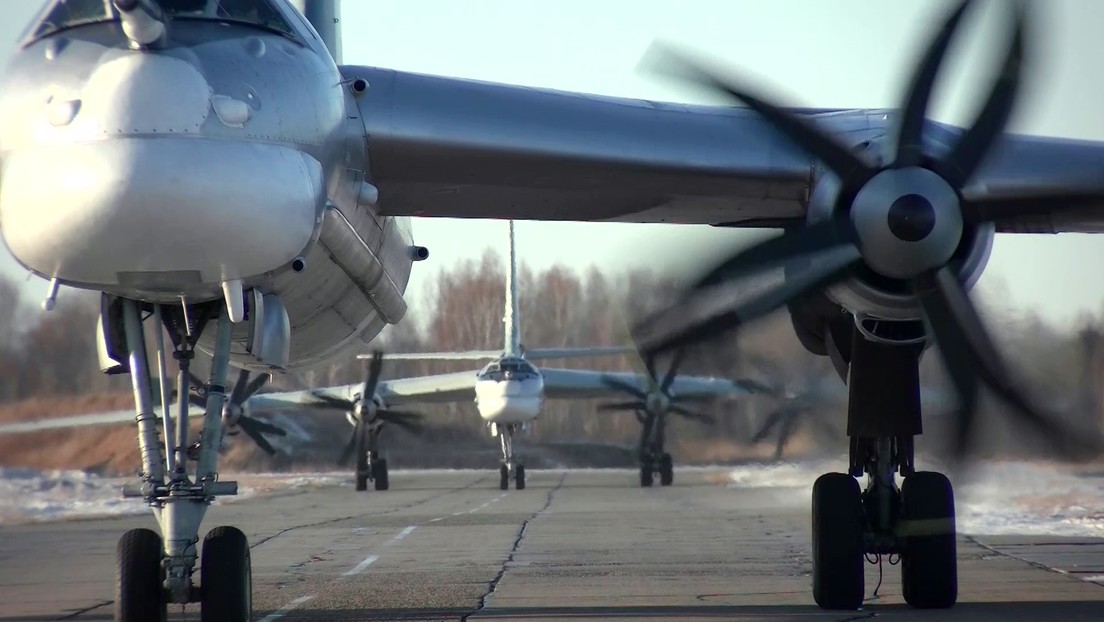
(450, 147)
(469, 355)
(442, 388)
(454, 387)
(537, 354)
(115, 417)
(581, 384)
(486, 355)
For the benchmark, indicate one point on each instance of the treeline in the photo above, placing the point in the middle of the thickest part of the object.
(462, 308)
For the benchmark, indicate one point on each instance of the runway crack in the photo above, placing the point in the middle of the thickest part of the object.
(493, 585)
(80, 612)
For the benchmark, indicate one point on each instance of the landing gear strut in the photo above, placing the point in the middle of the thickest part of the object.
(914, 522)
(152, 571)
(509, 469)
(653, 459)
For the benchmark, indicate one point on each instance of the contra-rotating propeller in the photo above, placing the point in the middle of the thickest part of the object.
(657, 400)
(796, 401)
(920, 198)
(364, 409)
(234, 410)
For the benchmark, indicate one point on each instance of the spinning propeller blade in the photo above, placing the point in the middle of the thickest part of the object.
(656, 387)
(369, 412)
(243, 389)
(829, 249)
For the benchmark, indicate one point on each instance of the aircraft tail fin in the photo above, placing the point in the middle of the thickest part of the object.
(511, 319)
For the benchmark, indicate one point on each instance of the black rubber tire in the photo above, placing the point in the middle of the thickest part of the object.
(363, 471)
(519, 477)
(929, 563)
(838, 526)
(379, 474)
(139, 594)
(504, 477)
(645, 475)
(226, 577)
(666, 470)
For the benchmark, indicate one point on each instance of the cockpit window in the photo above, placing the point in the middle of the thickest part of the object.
(70, 13)
(509, 369)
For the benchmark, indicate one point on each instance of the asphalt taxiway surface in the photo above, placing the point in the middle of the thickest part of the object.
(575, 545)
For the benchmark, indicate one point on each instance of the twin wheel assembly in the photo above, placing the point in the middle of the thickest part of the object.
(914, 525)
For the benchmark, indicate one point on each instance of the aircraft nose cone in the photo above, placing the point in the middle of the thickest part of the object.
(158, 213)
(130, 197)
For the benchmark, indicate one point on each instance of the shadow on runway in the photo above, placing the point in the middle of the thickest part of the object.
(1026, 611)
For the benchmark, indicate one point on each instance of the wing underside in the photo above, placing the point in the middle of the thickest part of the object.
(461, 148)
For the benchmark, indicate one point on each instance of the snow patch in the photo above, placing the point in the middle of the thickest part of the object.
(993, 498)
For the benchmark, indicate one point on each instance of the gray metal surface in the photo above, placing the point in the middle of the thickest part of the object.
(576, 545)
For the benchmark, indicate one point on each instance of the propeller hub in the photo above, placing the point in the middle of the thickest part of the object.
(908, 221)
(657, 402)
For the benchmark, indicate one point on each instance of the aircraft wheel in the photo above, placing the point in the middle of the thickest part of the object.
(139, 595)
(519, 477)
(379, 474)
(645, 475)
(838, 526)
(226, 577)
(666, 470)
(929, 563)
(504, 477)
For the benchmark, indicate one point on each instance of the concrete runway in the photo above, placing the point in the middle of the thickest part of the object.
(575, 545)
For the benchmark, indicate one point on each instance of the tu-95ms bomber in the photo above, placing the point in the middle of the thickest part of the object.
(213, 167)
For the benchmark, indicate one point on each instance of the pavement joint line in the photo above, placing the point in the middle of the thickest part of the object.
(1040, 565)
(513, 550)
(288, 608)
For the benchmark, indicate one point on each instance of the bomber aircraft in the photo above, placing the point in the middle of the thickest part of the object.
(213, 167)
(509, 392)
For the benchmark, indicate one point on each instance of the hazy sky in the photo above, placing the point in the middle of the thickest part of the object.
(839, 53)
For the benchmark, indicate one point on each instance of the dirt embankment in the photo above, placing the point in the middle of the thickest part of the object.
(105, 449)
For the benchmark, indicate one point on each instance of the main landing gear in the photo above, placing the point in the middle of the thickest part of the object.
(653, 459)
(152, 571)
(370, 467)
(509, 469)
(914, 524)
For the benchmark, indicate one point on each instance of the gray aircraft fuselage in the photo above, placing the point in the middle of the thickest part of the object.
(160, 174)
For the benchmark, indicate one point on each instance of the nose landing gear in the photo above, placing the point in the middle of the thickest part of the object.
(509, 469)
